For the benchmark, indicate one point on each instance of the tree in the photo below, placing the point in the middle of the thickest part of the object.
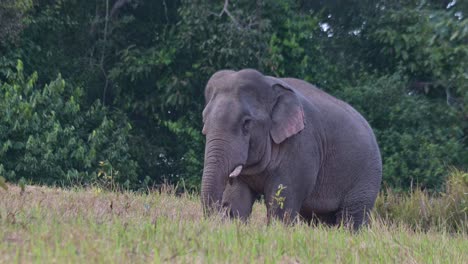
(402, 63)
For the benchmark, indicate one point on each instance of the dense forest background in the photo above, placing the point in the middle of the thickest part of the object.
(111, 91)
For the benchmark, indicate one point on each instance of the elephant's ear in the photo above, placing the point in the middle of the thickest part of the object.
(287, 114)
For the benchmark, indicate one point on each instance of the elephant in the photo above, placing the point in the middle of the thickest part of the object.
(311, 155)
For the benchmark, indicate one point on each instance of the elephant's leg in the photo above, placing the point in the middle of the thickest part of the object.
(354, 214)
(357, 206)
(352, 217)
(282, 203)
(287, 214)
(238, 199)
(307, 216)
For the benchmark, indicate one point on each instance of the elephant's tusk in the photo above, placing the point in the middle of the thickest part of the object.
(236, 172)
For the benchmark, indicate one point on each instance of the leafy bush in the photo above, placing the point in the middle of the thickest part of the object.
(428, 45)
(151, 60)
(418, 137)
(47, 136)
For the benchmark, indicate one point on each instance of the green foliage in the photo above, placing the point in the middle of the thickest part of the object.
(418, 137)
(191, 161)
(428, 45)
(295, 48)
(278, 199)
(47, 136)
(11, 14)
(402, 63)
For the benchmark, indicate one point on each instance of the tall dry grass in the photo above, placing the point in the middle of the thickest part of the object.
(421, 210)
(92, 225)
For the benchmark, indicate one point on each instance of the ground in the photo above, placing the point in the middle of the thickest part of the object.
(90, 225)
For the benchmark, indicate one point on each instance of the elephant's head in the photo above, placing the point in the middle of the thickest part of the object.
(245, 113)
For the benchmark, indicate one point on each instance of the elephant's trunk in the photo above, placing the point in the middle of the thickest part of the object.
(215, 174)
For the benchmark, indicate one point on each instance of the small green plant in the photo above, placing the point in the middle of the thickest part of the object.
(279, 200)
(107, 174)
(106, 171)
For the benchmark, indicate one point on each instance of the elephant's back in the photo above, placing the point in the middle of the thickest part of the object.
(318, 97)
(334, 112)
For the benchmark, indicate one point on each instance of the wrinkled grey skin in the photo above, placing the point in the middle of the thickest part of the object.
(285, 131)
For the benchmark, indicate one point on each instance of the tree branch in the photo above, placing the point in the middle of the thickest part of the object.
(103, 54)
(117, 6)
(226, 11)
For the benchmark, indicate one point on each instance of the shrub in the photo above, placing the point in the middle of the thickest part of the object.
(418, 137)
(47, 136)
(446, 210)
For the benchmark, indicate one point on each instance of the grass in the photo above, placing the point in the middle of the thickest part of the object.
(446, 211)
(47, 225)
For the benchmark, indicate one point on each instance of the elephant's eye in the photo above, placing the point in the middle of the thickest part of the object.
(246, 126)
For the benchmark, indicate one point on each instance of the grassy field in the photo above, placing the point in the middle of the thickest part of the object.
(90, 225)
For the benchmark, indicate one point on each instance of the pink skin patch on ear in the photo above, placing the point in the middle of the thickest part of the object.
(292, 126)
(295, 123)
